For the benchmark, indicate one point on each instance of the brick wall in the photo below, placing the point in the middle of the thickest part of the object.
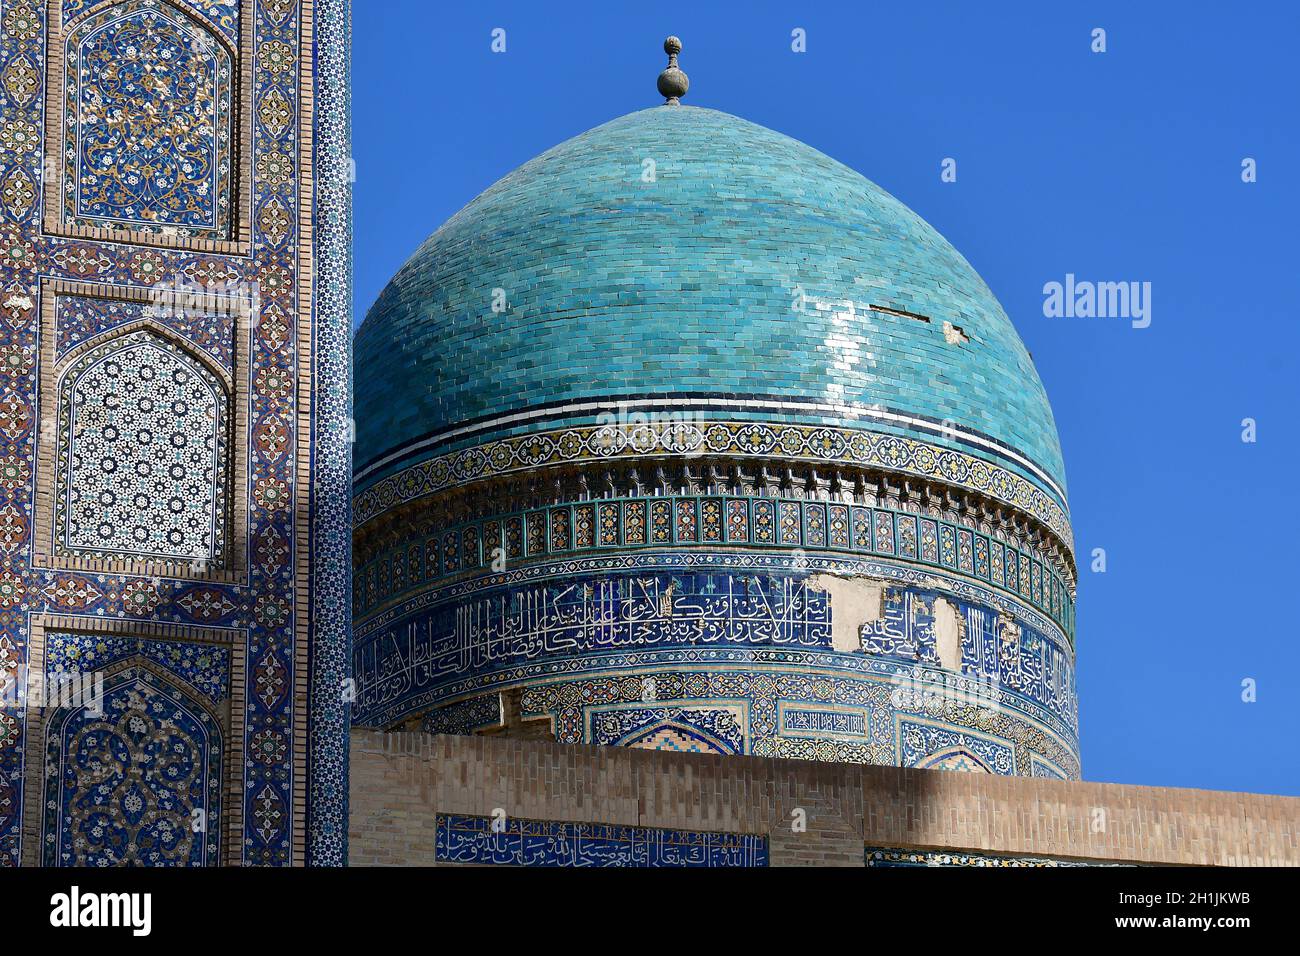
(400, 781)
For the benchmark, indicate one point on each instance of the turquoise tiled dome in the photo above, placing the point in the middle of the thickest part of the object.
(686, 436)
(679, 251)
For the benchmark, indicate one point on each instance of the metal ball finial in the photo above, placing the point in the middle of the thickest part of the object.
(673, 83)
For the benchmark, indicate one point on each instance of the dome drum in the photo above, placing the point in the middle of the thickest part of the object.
(748, 461)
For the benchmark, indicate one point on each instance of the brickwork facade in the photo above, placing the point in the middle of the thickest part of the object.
(402, 784)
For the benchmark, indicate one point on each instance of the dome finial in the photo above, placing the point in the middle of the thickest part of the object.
(673, 83)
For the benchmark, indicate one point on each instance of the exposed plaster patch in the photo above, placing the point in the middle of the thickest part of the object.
(949, 630)
(954, 334)
(854, 602)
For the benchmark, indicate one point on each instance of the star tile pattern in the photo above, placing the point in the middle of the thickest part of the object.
(143, 454)
(151, 150)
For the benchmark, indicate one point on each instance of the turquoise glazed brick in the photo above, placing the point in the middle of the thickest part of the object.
(687, 284)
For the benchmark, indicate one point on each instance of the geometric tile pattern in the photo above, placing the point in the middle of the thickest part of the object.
(622, 525)
(510, 842)
(143, 452)
(332, 435)
(1042, 767)
(209, 185)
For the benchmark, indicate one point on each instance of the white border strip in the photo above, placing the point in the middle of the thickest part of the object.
(842, 411)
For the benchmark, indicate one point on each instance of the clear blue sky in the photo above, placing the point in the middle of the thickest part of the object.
(1117, 166)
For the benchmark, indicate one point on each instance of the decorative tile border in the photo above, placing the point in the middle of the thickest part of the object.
(778, 524)
(475, 840)
(747, 440)
(693, 403)
(328, 471)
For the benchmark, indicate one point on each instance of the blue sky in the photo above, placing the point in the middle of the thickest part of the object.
(1115, 166)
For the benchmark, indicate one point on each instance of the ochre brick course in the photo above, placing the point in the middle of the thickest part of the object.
(401, 781)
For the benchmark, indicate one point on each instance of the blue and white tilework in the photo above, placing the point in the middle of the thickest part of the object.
(475, 840)
(258, 207)
(739, 457)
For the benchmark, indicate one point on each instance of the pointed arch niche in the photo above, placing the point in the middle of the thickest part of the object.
(142, 457)
(148, 124)
(175, 724)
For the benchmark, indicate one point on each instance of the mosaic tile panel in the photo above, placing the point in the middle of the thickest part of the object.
(465, 839)
(820, 721)
(143, 454)
(148, 121)
(464, 717)
(293, 364)
(128, 786)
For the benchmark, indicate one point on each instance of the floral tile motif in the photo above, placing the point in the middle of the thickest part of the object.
(221, 14)
(132, 159)
(139, 784)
